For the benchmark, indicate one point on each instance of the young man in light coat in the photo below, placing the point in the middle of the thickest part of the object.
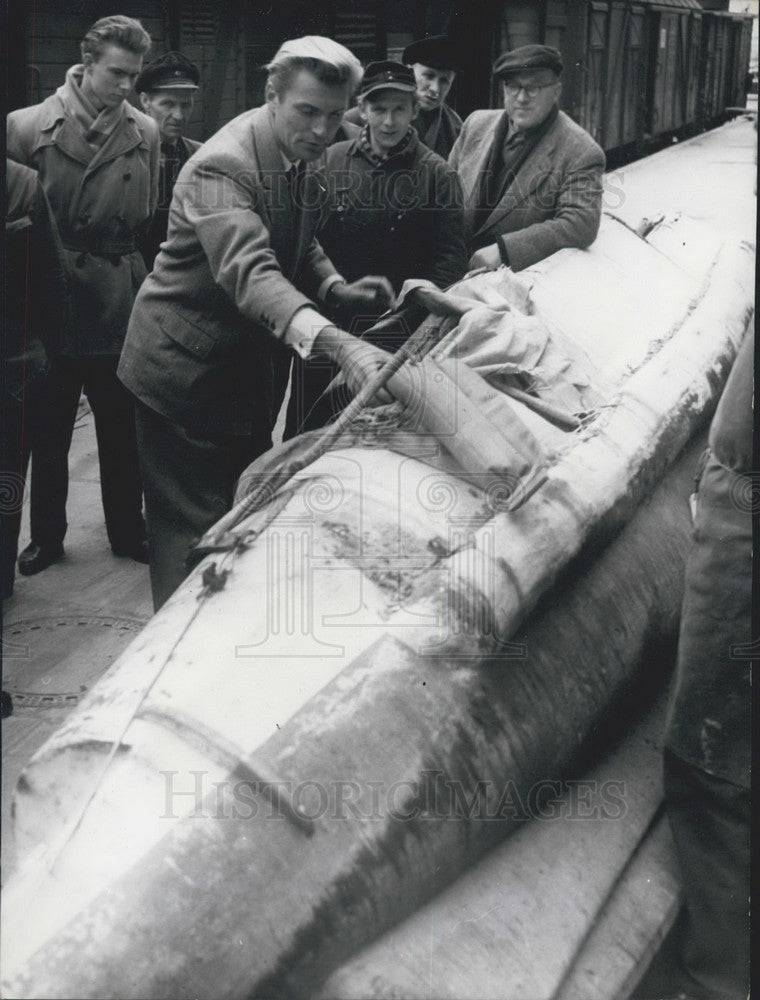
(532, 178)
(234, 291)
(97, 160)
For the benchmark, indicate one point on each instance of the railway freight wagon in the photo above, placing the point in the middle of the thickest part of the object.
(637, 71)
(724, 61)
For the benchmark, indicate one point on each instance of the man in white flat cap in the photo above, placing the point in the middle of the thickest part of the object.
(234, 291)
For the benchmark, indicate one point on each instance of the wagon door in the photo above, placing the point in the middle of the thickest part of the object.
(566, 30)
(593, 111)
(634, 77)
(625, 76)
(615, 75)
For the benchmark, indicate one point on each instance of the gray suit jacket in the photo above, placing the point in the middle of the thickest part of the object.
(555, 199)
(203, 346)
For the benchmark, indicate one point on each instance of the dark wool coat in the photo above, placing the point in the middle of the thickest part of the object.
(156, 234)
(709, 717)
(402, 219)
(37, 305)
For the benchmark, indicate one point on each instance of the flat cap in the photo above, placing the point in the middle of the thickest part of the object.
(436, 51)
(528, 57)
(172, 71)
(387, 75)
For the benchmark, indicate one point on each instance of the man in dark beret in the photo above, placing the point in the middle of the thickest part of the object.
(167, 88)
(531, 175)
(435, 63)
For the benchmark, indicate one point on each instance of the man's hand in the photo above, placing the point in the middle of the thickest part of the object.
(373, 293)
(358, 361)
(488, 257)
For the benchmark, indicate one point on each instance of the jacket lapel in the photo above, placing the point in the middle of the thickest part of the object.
(57, 129)
(476, 169)
(289, 227)
(272, 177)
(522, 185)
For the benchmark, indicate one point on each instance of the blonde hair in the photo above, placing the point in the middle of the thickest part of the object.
(329, 61)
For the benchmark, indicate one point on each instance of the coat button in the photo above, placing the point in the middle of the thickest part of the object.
(128, 175)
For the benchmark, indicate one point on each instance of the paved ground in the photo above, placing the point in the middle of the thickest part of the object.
(64, 627)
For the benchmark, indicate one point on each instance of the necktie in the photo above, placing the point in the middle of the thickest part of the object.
(293, 184)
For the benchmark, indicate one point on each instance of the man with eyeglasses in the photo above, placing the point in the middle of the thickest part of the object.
(531, 175)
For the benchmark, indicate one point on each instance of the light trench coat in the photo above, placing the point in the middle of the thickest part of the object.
(101, 204)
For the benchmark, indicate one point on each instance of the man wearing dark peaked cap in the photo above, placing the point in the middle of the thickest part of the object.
(531, 175)
(167, 88)
(435, 62)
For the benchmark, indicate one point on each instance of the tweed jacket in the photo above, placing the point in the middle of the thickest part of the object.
(101, 204)
(554, 201)
(240, 260)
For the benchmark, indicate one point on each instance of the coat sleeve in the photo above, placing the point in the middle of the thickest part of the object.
(224, 210)
(316, 267)
(19, 134)
(51, 314)
(456, 151)
(576, 217)
(448, 261)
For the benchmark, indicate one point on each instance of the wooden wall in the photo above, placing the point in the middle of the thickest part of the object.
(210, 32)
(52, 31)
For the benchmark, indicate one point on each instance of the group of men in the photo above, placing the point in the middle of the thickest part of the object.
(269, 243)
(281, 243)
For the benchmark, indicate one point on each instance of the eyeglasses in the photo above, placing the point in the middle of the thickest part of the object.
(513, 89)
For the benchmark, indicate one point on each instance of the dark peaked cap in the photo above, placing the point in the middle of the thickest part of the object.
(528, 57)
(172, 71)
(436, 51)
(387, 75)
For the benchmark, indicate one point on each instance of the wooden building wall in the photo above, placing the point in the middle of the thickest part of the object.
(210, 32)
(51, 31)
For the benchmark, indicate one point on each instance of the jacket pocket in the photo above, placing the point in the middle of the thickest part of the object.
(184, 331)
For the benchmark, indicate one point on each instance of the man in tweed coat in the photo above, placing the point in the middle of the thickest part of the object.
(531, 176)
(233, 292)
